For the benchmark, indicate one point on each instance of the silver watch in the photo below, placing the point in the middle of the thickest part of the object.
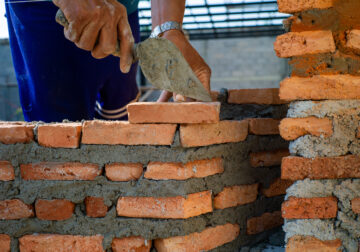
(169, 25)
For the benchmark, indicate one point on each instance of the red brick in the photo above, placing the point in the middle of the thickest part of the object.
(264, 126)
(355, 205)
(320, 87)
(6, 171)
(165, 208)
(302, 43)
(135, 244)
(264, 222)
(236, 195)
(298, 168)
(63, 243)
(208, 134)
(58, 209)
(95, 207)
(60, 135)
(310, 208)
(268, 96)
(123, 172)
(299, 243)
(291, 6)
(119, 132)
(206, 240)
(277, 187)
(59, 171)
(293, 128)
(15, 209)
(5, 242)
(16, 132)
(171, 112)
(353, 40)
(267, 158)
(180, 171)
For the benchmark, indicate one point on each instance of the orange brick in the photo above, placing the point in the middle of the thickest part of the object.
(264, 222)
(6, 171)
(58, 209)
(217, 133)
(236, 195)
(320, 87)
(277, 187)
(310, 208)
(63, 243)
(15, 209)
(268, 96)
(353, 40)
(60, 135)
(299, 243)
(298, 168)
(123, 172)
(180, 171)
(206, 240)
(267, 158)
(293, 128)
(5, 243)
(136, 244)
(264, 126)
(59, 171)
(16, 132)
(355, 205)
(171, 112)
(95, 207)
(165, 208)
(291, 6)
(119, 132)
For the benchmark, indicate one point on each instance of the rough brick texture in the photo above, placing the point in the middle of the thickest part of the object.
(236, 195)
(268, 96)
(310, 208)
(5, 242)
(355, 205)
(291, 6)
(95, 207)
(301, 43)
(217, 133)
(6, 171)
(276, 188)
(264, 222)
(16, 132)
(123, 172)
(358, 133)
(60, 135)
(293, 128)
(15, 209)
(118, 132)
(264, 126)
(353, 40)
(172, 207)
(206, 240)
(180, 171)
(267, 158)
(59, 171)
(57, 209)
(299, 243)
(128, 244)
(170, 112)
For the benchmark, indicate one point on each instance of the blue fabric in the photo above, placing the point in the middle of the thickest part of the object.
(56, 79)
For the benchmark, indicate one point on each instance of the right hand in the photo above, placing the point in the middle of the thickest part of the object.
(97, 25)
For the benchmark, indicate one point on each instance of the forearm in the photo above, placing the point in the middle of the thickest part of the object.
(167, 10)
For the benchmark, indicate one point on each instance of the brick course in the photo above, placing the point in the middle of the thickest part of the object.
(264, 126)
(277, 187)
(299, 243)
(123, 172)
(355, 205)
(15, 209)
(58, 209)
(16, 132)
(5, 242)
(95, 207)
(267, 158)
(291, 6)
(60, 135)
(264, 222)
(236, 195)
(135, 244)
(6, 171)
(268, 96)
(353, 40)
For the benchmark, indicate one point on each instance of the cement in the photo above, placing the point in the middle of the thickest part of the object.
(311, 188)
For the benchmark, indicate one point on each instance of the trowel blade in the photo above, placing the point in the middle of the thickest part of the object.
(166, 68)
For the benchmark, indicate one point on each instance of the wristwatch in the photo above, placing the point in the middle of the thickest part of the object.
(169, 25)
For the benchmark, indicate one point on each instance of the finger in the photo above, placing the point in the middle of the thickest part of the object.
(179, 98)
(126, 44)
(106, 44)
(89, 36)
(165, 96)
(73, 32)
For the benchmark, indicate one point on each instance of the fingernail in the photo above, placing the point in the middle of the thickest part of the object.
(179, 98)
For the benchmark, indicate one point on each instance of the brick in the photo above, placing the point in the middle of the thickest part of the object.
(358, 133)
(277, 187)
(293, 128)
(267, 158)
(119, 132)
(264, 126)
(123, 172)
(135, 243)
(321, 87)
(60, 135)
(63, 243)
(353, 40)
(5, 242)
(180, 171)
(208, 134)
(264, 222)
(267, 96)
(303, 43)
(355, 205)
(298, 168)
(6, 171)
(171, 112)
(206, 240)
(57, 209)
(16, 132)
(299, 243)
(214, 95)
(59, 171)
(165, 208)
(15, 209)
(291, 6)
(95, 207)
(310, 208)
(236, 195)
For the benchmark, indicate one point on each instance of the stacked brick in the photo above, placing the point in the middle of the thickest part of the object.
(321, 210)
(170, 178)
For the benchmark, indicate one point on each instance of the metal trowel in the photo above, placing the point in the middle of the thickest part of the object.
(163, 65)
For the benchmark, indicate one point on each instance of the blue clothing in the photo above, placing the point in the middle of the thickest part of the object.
(56, 79)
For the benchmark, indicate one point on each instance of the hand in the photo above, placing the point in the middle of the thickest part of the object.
(196, 62)
(97, 25)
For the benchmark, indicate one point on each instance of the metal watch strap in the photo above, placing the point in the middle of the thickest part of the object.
(169, 25)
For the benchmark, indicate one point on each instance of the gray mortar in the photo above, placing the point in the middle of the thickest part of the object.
(236, 112)
(311, 188)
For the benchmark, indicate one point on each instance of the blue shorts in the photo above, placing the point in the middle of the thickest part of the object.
(59, 81)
